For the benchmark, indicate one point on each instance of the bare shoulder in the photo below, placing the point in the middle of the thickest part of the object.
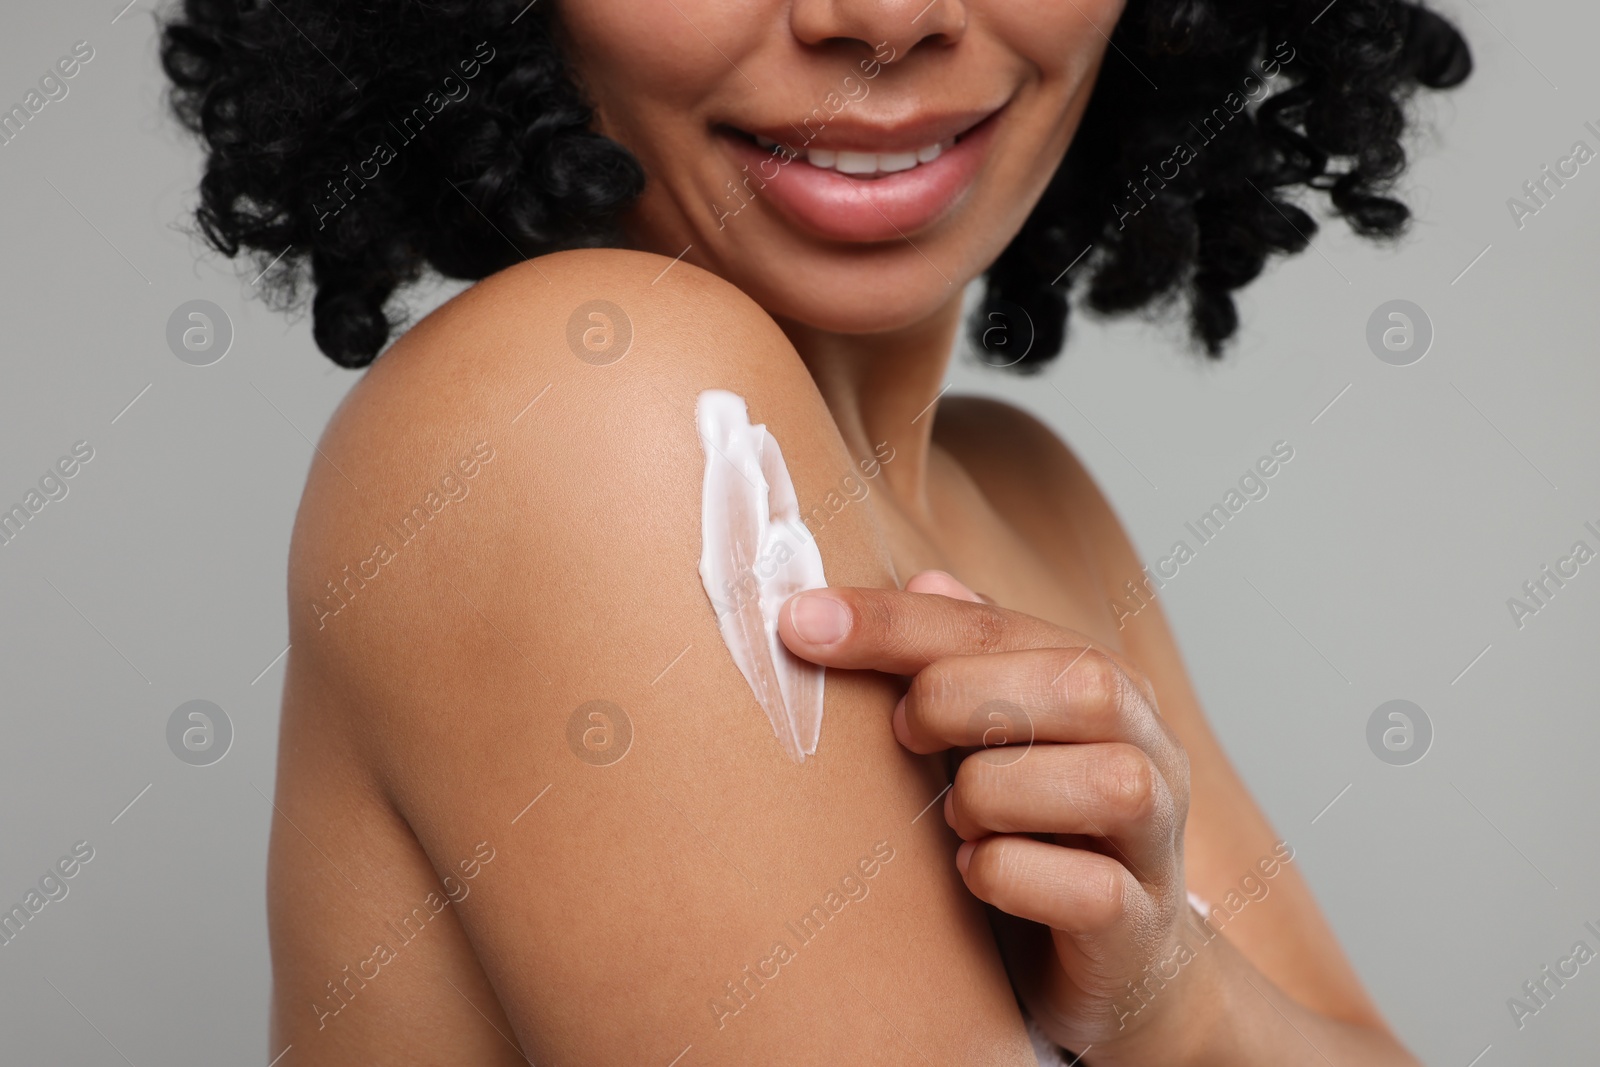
(496, 611)
(1033, 478)
(576, 322)
(557, 394)
(580, 318)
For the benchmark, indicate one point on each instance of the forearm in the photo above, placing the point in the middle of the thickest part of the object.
(1226, 1013)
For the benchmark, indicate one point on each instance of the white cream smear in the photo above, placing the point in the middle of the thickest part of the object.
(755, 553)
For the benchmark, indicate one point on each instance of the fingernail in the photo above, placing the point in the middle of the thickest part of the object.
(958, 583)
(964, 855)
(950, 808)
(961, 589)
(901, 733)
(819, 619)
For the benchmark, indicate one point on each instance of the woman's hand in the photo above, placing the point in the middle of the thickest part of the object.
(1070, 797)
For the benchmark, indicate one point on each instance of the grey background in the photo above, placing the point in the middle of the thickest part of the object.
(1378, 567)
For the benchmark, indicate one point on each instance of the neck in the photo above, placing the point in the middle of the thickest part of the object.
(883, 388)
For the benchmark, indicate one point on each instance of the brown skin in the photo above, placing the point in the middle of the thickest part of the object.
(1088, 763)
(426, 715)
(581, 914)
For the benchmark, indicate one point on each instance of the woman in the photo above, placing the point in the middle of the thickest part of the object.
(530, 806)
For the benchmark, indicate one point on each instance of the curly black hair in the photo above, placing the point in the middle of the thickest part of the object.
(1174, 183)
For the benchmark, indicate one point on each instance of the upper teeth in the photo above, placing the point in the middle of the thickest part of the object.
(865, 162)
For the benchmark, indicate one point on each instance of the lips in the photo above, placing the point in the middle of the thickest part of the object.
(865, 164)
(845, 131)
(857, 183)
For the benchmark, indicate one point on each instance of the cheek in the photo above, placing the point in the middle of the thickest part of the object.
(1062, 41)
(613, 32)
(647, 72)
(1056, 51)
(636, 59)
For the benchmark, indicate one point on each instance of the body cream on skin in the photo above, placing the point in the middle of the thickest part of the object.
(755, 553)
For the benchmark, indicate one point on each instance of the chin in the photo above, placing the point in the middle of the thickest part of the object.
(857, 293)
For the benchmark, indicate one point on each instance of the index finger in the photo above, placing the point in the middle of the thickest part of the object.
(898, 632)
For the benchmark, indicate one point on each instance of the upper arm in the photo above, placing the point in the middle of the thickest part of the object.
(628, 904)
(1227, 836)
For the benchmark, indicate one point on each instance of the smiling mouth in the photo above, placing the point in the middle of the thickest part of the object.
(857, 180)
(863, 165)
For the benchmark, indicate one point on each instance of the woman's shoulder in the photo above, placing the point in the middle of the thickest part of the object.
(984, 429)
(1029, 473)
(540, 428)
(497, 611)
(566, 315)
(547, 372)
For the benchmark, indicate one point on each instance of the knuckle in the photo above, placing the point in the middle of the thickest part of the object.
(1126, 782)
(1104, 892)
(891, 625)
(1143, 687)
(1100, 689)
(1098, 672)
(986, 627)
(875, 616)
(1061, 666)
